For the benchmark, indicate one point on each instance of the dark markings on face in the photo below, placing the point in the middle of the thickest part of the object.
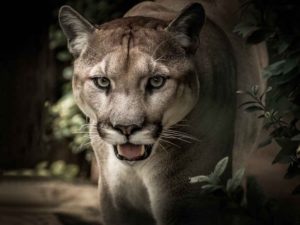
(147, 34)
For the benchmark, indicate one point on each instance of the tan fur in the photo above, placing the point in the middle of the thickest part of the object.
(199, 100)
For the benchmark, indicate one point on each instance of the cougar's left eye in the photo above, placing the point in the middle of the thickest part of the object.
(156, 81)
(102, 82)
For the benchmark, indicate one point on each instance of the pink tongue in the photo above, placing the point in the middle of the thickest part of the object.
(130, 151)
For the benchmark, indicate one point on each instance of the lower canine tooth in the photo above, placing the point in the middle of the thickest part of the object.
(143, 150)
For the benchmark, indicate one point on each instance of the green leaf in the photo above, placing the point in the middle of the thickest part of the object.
(71, 171)
(265, 92)
(254, 90)
(267, 115)
(199, 179)
(64, 56)
(247, 103)
(245, 29)
(253, 108)
(240, 92)
(68, 73)
(268, 89)
(220, 167)
(43, 172)
(236, 181)
(57, 168)
(274, 69)
(261, 116)
(41, 165)
(27, 172)
(208, 188)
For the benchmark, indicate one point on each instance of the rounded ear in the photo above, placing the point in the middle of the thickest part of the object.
(187, 25)
(76, 28)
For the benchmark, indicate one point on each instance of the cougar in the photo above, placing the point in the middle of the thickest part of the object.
(159, 87)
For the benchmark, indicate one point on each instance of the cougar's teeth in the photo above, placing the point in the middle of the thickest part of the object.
(143, 150)
(132, 152)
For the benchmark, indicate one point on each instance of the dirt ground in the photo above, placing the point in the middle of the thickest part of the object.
(36, 201)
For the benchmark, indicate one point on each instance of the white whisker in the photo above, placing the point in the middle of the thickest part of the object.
(169, 142)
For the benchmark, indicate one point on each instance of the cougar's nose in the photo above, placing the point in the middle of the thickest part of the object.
(127, 130)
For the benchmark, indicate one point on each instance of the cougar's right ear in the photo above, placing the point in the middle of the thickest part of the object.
(187, 25)
(76, 28)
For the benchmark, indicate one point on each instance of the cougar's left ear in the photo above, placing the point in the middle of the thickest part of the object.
(76, 28)
(187, 25)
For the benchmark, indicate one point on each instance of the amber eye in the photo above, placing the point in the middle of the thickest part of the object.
(102, 82)
(156, 81)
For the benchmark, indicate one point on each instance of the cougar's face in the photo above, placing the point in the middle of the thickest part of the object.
(133, 80)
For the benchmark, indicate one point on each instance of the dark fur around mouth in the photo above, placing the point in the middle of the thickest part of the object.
(148, 150)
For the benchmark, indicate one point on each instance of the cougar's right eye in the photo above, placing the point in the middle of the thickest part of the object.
(102, 82)
(156, 82)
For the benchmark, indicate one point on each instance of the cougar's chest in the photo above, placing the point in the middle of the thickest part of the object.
(125, 185)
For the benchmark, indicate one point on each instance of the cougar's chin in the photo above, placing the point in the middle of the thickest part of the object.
(132, 152)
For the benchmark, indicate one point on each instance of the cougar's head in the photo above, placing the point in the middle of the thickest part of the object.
(135, 76)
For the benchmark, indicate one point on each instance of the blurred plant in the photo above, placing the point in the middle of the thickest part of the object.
(243, 205)
(58, 169)
(277, 23)
(68, 123)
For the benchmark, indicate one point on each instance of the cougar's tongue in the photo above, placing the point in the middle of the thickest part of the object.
(131, 151)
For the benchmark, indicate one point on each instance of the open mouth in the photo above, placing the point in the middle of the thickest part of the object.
(131, 152)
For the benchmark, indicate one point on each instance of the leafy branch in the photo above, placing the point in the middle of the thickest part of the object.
(213, 182)
(276, 23)
(244, 207)
(286, 135)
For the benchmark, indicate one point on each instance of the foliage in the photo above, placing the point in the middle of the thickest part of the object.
(68, 123)
(285, 134)
(243, 207)
(277, 23)
(58, 169)
(213, 182)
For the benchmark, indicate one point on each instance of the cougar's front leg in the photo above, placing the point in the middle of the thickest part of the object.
(182, 211)
(184, 205)
(118, 211)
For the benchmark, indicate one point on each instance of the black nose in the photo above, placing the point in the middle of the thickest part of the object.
(127, 130)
